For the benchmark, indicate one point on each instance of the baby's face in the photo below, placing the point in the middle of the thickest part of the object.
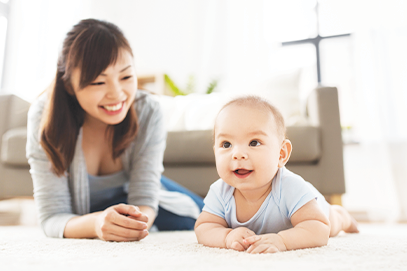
(247, 147)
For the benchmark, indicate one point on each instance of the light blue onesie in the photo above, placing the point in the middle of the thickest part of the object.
(289, 192)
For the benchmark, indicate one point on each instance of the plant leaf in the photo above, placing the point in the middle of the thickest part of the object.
(212, 86)
(173, 87)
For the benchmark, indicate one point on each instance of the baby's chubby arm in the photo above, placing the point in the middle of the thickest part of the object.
(213, 231)
(310, 229)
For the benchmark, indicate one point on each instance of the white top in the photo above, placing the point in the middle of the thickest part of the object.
(289, 192)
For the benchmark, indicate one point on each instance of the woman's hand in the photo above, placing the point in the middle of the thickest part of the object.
(121, 223)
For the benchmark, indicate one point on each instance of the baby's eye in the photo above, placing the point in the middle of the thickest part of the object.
(226, 145)
(254, 143)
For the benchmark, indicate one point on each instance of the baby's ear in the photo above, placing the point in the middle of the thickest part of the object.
(285, 153)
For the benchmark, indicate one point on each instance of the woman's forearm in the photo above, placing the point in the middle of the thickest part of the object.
(81, 226)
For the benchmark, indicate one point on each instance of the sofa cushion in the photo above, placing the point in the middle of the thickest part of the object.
(191, 147)
(13, 147)
(183, 147)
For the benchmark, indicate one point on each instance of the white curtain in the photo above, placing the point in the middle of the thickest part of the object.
(381, 115)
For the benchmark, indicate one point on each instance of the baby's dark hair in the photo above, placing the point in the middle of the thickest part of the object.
(259, 102)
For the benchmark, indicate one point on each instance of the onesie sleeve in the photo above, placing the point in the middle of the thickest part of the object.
(214, 202)
(295, 193)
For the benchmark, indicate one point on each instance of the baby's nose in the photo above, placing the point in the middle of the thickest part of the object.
(240, 155)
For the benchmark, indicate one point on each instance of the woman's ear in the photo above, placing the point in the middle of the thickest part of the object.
(285, 153)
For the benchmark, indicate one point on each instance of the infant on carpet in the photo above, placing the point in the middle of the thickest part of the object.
(258, 205)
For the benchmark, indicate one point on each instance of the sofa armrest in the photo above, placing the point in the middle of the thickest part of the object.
(323, 111)
(13, 147)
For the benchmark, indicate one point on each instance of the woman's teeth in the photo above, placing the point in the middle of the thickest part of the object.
(113, 107)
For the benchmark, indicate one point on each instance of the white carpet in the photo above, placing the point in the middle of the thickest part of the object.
(377, 247)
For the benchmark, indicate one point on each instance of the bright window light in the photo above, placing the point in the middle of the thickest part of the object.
(3, 33)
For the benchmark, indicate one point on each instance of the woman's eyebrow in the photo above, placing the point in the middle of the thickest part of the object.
(103, 74)
(125, 68)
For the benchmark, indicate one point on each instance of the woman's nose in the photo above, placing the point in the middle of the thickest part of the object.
(114, 90)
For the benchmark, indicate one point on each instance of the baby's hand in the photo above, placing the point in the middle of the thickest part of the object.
(234, 239)
(266, 243)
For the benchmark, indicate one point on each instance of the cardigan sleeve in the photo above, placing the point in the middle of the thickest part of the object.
(51, 193)
(147, 156)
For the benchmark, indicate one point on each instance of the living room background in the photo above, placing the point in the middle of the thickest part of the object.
(240, 44)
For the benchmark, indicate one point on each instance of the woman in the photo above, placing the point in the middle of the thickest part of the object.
(95, 146)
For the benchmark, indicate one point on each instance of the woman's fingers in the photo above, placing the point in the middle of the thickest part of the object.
(132, 211)
(126, 222)
(118, 238)
(126, 209)
(143, 217)
(122, 223)
(129, 233)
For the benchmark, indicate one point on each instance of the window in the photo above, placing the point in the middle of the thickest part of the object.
(318, 34)
(3, 33)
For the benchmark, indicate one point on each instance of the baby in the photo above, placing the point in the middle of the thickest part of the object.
(258, 205)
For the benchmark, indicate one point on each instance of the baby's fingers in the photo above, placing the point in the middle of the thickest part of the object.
(262, 248)
(251, 240)
(248, 233)
(237, 246)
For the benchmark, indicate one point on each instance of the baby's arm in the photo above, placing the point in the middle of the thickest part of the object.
(310, 229)
(213, 231)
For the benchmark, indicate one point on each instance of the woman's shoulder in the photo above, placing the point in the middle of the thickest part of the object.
(37, 108)
(145, 103)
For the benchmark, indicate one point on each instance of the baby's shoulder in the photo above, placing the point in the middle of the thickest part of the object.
(290, 179)
(222, 190)
(286, 183)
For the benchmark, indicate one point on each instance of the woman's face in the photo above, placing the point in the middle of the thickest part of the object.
(108, 98)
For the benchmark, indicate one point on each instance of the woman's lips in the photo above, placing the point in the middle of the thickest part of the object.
(111, 110)
(242, 173)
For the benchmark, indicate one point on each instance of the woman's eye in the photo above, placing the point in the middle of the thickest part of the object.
(126, 77)
(97, 83)
(254, 143)
(226, 145)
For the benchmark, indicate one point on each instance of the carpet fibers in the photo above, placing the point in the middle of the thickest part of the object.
(377, 247)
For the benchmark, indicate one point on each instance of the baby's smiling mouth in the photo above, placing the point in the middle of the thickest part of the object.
(242, 171)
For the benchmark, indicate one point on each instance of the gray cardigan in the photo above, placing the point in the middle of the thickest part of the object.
(58, 199)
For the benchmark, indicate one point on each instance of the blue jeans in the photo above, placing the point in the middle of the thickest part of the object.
(167, 221)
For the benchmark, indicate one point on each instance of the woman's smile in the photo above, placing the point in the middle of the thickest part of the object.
(113, 109)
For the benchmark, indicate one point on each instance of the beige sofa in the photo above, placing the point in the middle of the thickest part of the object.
(189, 160)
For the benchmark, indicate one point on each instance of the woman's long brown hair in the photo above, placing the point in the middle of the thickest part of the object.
(91, 46)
